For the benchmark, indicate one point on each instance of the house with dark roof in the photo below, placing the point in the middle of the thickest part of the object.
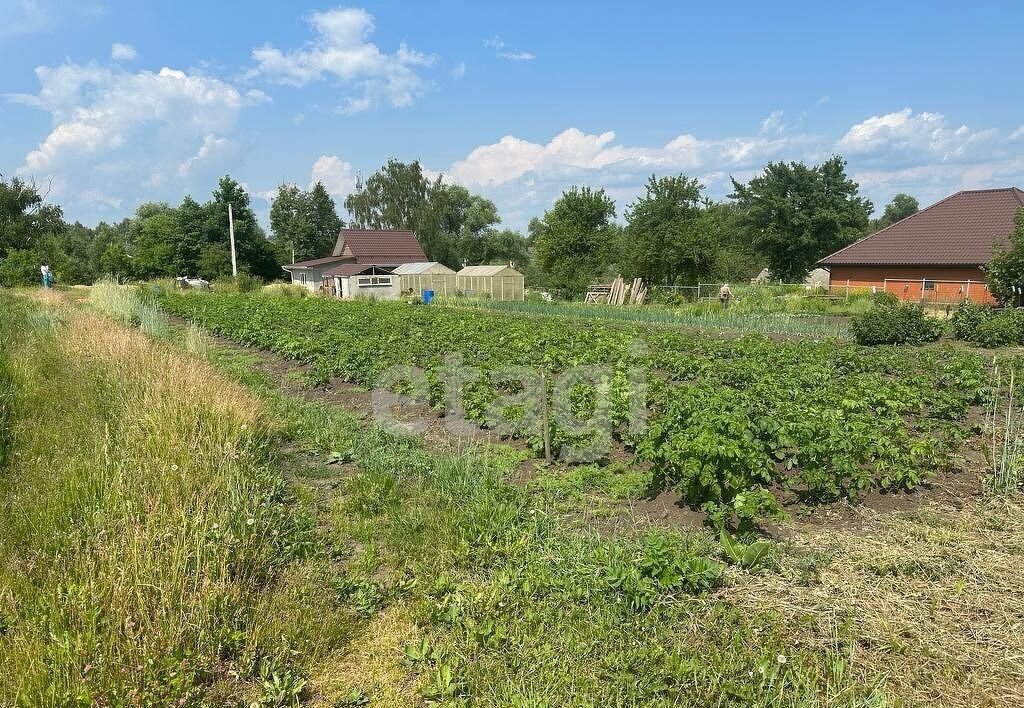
(362, 258)
(936, 254)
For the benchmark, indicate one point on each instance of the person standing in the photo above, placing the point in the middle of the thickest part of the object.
(44, 269)
(724, 295)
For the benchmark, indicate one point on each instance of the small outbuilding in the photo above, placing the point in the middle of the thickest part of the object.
(351, 281)
(498, 282)
(417, 278)
(364, 247)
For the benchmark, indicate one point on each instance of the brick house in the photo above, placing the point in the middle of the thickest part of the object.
(936, 254)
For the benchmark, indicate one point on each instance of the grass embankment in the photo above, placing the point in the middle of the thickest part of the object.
(143, 523)
(402, 575)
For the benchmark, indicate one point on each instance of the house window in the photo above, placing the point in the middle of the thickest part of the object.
(374, 281)
(302, 278)
(929, 285)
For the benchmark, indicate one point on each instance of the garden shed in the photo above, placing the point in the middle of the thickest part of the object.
(352, 281)
(420, 277)
(498, 282)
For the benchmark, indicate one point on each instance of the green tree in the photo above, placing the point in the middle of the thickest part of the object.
(500, 246)
(452, 224)
(1005, 272)
(25, 216)
(255, 255)
(293, 234)
(305, 224)
(576, 240)
(670, 239)
(736, 258)
(154, 234)
(392, 198)
(30, 234)
(460, 225)
(191, 237)
(324, 220)
(800, 214)
(901, 206)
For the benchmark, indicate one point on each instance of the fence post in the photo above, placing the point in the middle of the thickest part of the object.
(847, 290)
(967, 293)
(544, 416)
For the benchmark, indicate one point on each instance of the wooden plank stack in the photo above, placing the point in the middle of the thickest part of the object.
(620, 294)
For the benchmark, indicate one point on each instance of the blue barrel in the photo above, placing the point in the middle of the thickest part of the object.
(428, 296)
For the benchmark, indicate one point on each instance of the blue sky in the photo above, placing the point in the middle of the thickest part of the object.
(120, 103)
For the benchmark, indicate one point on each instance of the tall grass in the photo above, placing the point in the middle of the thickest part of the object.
(1006, 447)
(143, 524)
(123, 303)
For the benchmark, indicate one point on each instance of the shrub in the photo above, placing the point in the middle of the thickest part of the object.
(885, 299)
(968, 317)
(1000, 330)
(242, 283)
(285, 290)
(896, 324)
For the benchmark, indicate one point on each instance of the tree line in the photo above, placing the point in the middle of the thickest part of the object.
(784, 219)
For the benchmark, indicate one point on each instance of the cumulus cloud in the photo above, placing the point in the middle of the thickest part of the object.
(573, 151)
(123, 52)
(917, 153)
(502, 50)
(459, 70)
(341, 51)
(905, 133)
(114, 130)
(335, 174)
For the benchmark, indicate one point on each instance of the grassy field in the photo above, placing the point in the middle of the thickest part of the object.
(207, 532)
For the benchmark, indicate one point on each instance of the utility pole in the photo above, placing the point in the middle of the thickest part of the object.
(231, 234)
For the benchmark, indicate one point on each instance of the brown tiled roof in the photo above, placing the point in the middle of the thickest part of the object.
(962, 229)
(347, 269)
(315, 262)
(384, 247)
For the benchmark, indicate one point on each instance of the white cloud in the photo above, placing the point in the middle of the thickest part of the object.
(572, 151)
(22, 18)
(907, 133)
(123, 52)
(341, 50)
(211, 147)
(1017, 134)
(915, 153)
(114, 131)
(459, 70)
(335, 174)
(502, 50)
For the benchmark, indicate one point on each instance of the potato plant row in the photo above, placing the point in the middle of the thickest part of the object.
(731, 422)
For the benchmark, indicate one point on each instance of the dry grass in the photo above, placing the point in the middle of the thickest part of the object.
(127, 457)
(372, 664)
(932, 598)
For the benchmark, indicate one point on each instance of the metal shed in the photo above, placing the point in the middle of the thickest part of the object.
(498, 282)
(419, 277)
